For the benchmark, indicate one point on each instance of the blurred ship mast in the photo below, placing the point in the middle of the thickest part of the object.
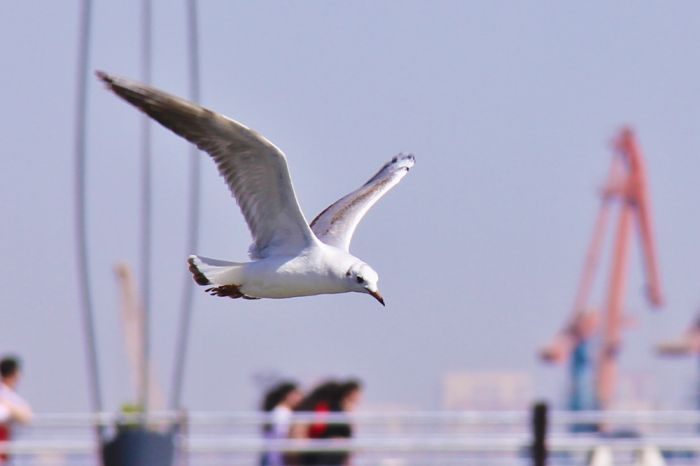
(593, 379)
(132, 314)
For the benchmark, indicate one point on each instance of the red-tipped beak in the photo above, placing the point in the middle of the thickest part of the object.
(378, 297)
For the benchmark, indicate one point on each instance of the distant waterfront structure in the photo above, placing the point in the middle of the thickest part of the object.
(487, 390)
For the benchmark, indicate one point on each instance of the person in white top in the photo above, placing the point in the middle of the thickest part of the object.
(279, 402)
(13, 408)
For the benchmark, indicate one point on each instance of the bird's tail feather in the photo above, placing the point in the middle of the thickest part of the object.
(208, 271)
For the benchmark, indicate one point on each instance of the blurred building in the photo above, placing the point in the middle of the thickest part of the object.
(487, 390)
(635, 392)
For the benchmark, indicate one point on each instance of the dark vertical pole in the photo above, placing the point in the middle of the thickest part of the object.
(539, 434)
(145, 211)
(193, 226)
(697, 393)
(81, 208)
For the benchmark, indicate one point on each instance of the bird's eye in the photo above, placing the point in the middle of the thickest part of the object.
(360, 279)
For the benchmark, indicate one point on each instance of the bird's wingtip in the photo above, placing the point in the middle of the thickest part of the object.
(104, 77)
(197, 274)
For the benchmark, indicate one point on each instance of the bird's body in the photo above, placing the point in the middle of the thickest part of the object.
(290, 257)
(319, 269)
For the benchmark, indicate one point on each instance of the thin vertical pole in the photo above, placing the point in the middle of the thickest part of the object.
(539, 434)
(697, 390)
(146, 208)
(84, 40)
(193, 225)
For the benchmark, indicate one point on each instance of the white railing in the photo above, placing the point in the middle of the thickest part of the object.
(407, 438)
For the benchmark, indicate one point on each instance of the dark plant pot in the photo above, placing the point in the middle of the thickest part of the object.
(138, 446)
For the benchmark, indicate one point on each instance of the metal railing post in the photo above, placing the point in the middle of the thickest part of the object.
(539, 434)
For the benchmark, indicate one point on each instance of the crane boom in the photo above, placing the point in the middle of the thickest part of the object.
(687, 344)
(634, 193)
(627, 183)
(584, 319)
(639, 194)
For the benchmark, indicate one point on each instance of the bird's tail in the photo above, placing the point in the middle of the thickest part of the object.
(214, 272)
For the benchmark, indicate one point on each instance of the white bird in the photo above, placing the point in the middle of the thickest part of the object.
(290, 257)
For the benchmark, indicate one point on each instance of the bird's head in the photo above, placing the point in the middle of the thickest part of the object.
(363, 279)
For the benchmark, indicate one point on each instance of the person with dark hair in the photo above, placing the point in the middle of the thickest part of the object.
(279, 402)
(318, 402)
(329, 397)
(13, 409)
(346, 397)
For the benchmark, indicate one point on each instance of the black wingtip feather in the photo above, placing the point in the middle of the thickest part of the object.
(104, 77)
(198, 276)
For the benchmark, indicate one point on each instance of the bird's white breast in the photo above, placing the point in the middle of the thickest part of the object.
(317, 270)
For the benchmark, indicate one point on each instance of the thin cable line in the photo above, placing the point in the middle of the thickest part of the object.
(84, 42)
(193, 213)
(146, 208)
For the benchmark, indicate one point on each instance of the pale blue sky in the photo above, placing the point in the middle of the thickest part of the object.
(509, 108)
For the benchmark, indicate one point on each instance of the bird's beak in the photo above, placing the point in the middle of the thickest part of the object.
(377, 296)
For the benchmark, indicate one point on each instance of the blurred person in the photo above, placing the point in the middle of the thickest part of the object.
(329, 397)
(318, 401)
(279, 402)
(346, 398)
(13, 409)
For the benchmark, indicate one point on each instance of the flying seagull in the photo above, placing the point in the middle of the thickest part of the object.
(290, 257)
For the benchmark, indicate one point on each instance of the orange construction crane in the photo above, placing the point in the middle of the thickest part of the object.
(688, 344)
(593, 381)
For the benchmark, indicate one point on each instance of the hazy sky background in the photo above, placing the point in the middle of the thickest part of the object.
(509, 108)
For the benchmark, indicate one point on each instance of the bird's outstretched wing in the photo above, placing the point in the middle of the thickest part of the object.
(254, 169)
(336, 224)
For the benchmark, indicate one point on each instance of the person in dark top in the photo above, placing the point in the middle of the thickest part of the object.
(344, 400)
(318, 401)
(329, 397)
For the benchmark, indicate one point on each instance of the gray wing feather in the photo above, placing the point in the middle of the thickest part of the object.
(337, 223)
(254, 169)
